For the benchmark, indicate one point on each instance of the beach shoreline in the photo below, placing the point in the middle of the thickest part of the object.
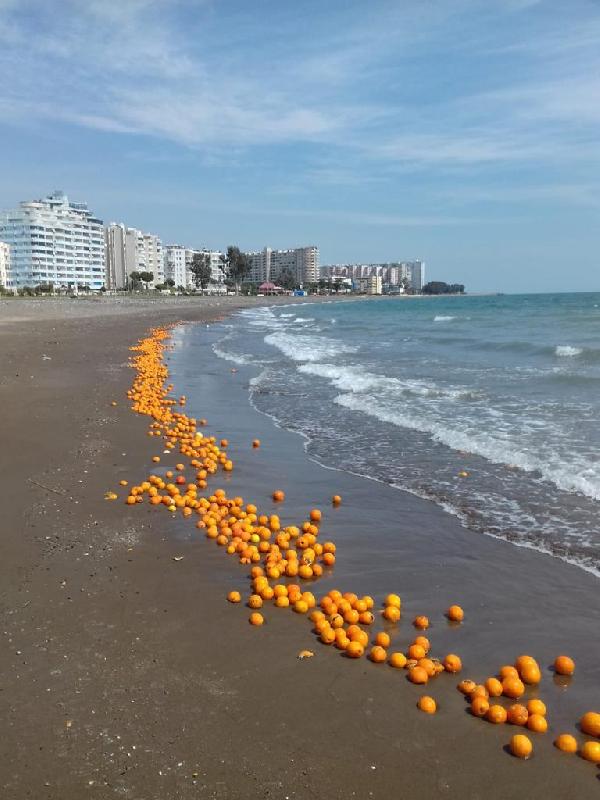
(128, 674)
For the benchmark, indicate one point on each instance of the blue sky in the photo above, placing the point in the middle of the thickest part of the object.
(465, 133)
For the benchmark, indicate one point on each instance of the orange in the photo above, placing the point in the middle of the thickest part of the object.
(421, 622)
(566, 743)
(418, 675)
(427, 704)
(336, 499)
(531, 674)
(328, 636)
(466, 686)
(508, 671)
(455, 614)
(496, 714)
(416, 651)
(537, 723)
(590, 723)
(383, 639)
(391, 613)
(397, 660)
(315, 515)
(354, 650)
(234, 597)
(427, 665)
(563, 665)
(494, 687)
(256, 618)
(536, 706)
(513, 687)
(452, 663)
(282, 601)
(256, 443)
(517, 714)
(378, 654)
(300, 606)
(521, 746)
(591, 752)
(255, 601)
(278, 495)
(393, 600)
(424, 642)
(479, 706)
(479, 691)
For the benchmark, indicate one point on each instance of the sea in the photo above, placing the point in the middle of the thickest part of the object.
(488, 406)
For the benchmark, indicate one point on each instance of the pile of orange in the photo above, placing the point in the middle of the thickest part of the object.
(278, 555)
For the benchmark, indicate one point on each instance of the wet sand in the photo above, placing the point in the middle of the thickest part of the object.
(126, 674)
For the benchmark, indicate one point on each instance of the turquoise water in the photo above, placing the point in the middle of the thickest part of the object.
(417, 392)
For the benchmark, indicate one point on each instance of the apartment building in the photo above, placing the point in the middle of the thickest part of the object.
(54, 240)
(5, 272)
(302, 263)
(131, 250)
(398, 274)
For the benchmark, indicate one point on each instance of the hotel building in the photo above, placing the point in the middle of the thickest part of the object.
(54, 241)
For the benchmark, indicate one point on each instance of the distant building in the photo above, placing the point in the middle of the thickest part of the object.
(5, 272)
(178, 268)
(130, 250)
(54, 241)
(396, 276)
(269, 265)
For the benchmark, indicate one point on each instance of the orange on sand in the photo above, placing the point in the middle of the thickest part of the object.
(234, 597)
(355, 650)
(591, 751)
(278, 495)
(455, 614)
(452, 663)
(397, 660)
(393, 600)
(418, 675)
(256, 443)
(479, 691)
(427, 704)
(590, 723)
(421, 622)
(336, 499)
(383, 639)
(513, 687)
(256, 618)
(494, 687)
(531, 674)
(427, 665)
(517, 714)
(255, 601)
(508, 671)
(424, 642)
(563, 665)
(416, 651)
(479, 706)
(315, 515)
(391, 613)
(521, 746)
(537, 723)
(566, 743)
(536, 706)
(378, 655)
(466, 686)
(496, 714)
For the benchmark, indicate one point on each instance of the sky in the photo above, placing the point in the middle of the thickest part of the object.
(462, 132)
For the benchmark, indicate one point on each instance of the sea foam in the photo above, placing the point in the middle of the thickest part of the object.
(566, 351)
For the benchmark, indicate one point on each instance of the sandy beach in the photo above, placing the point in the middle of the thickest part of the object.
(125, 673)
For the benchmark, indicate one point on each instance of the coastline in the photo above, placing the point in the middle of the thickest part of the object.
(106, 632)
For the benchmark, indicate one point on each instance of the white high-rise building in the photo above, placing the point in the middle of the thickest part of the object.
(54, 241)
(302, 263)
(5, 271)
(178, 268)
(130, 250)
